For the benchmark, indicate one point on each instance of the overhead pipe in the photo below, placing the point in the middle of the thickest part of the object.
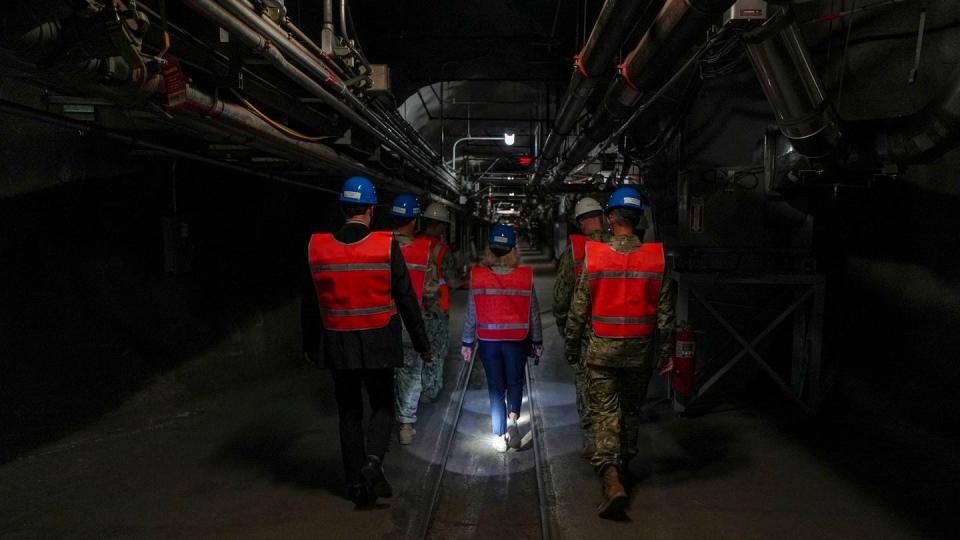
(678, 25)
(591, 65)
(271, 50)
(244, 11)
(790, 81)
(240, 120)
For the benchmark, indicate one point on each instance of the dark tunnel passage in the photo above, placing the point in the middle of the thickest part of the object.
(165, 168)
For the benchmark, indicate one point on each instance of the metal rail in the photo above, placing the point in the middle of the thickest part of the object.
(463, 379)
(454, 410)
(545, 500)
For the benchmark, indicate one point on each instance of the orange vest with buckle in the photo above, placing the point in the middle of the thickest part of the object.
(578, 245)
(352, 281)
(624, 288)
(417, 254)
(502, 302)
(444, 300)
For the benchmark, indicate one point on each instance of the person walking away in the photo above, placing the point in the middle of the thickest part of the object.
(351, 325)
(420, 265)
(621, 306)
(504, 315)
(589, 216)
(436, 221)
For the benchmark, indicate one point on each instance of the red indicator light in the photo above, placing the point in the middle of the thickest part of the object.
(526, 160)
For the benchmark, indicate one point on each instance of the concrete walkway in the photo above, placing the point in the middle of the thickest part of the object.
(263, 461)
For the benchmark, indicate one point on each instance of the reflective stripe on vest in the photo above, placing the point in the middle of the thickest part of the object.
(443, 302)
(417, 254)
(578, 244)
(624, 289)
(352, 281)
(502, 302)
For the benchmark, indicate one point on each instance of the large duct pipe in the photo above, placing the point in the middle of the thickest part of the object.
(679, 25)
(247, 30)
(615, 21)
(792, 86)
(922, 136)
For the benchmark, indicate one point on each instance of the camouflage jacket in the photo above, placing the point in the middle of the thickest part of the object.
(452, 273)
(431, 289)
(567, 280)
(619, 353)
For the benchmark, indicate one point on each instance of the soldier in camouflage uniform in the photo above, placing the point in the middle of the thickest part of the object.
(618, 369)
(437, 319)
(409, 378)
(589, 216)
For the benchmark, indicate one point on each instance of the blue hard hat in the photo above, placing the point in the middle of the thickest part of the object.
(625, 197)
(405, 205)
(503, 236)
(358, 190)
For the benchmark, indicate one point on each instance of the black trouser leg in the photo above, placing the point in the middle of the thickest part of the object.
(380, 389)
(346, 384)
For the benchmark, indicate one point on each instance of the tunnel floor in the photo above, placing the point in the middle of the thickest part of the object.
(263, 461)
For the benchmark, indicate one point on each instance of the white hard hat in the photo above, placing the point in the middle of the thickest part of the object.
(438, 212)
(586, 205)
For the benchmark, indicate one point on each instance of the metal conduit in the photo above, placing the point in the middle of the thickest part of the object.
(271, 50)
(792, 86)
(678, 25)
(616, 19)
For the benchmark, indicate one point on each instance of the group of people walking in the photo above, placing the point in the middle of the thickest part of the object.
(377, 315)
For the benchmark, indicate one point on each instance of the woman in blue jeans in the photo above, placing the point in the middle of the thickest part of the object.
(504, 316)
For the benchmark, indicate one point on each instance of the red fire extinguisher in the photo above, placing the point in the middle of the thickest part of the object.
(684, 361)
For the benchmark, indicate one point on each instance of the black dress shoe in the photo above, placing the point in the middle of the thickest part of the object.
(361, 496)
(372, 472)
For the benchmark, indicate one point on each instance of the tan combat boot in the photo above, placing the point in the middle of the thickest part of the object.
(614, 496)
(407, 434)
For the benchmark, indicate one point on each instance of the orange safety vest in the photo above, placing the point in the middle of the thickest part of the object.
(444, 301)
(578, 245)
(502, 302)
(417, 254)
(624, 288)
(353, 281)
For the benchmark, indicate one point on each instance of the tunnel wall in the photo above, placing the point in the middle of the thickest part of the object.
(92, 319)
(892, 249)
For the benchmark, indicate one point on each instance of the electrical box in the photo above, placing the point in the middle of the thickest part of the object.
(747, 10)
(380, 78)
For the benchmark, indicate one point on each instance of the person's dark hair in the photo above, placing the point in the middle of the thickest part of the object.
(398, 221)
(350, 210)
(499, 251)
(625, 217)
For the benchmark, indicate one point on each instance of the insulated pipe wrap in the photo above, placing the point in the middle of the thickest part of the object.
(615, 21)
(678, 25)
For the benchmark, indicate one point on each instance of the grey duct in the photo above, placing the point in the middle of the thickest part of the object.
(922, 136)
(271, 50)
(616, 19)
(792, 86)
(679, 25)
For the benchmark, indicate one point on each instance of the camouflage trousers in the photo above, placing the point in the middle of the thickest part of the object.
(616, 397)
(438, 331)
(583, 398)
(408, 385)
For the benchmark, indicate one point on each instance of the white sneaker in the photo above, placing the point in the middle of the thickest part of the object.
(513, 434)
(500, 444)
